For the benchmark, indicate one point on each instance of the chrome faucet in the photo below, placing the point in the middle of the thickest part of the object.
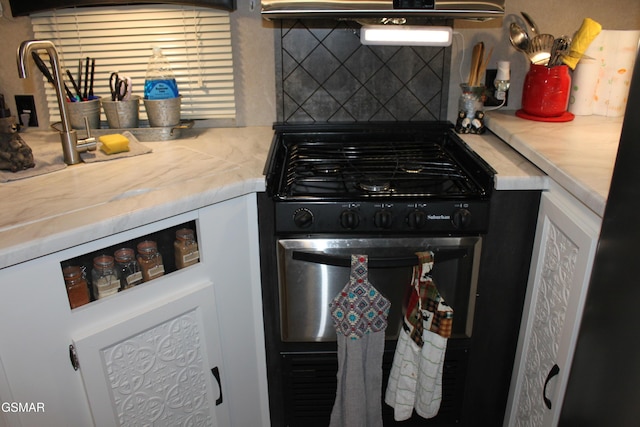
(71, 147)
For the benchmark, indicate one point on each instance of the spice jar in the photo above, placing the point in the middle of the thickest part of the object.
(104, 277)
(150, 260)
(76, 282)
(128, 268)
(185, 248)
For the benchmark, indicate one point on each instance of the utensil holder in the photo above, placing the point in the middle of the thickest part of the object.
(122, 114)
(79, 110)
(546, 90)
(163, 112)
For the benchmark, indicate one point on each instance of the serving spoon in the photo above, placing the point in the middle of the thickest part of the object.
(532, 25)
(519, 37)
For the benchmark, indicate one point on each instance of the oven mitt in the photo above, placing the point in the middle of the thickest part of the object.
(416, 373)
(359, 315)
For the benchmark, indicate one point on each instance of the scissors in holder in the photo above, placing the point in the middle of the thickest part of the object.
(120, 87)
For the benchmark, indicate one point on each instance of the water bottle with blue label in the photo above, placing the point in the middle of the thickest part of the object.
(160, 82)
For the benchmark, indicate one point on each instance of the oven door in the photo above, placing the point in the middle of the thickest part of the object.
(311, 272)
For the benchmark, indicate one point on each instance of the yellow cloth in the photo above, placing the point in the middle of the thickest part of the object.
(581, 41)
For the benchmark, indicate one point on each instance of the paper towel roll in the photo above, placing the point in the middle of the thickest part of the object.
(615, 52)
(583, 87)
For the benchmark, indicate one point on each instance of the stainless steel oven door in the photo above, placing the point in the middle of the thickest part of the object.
(313, 271)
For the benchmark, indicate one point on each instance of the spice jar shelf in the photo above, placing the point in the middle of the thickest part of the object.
(116, 268)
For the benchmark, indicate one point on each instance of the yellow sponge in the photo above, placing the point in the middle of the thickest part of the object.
(114, 143)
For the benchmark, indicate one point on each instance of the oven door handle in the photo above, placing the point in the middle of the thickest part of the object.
(390, 262)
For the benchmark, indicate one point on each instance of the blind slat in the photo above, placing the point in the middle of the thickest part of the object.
(197, 42)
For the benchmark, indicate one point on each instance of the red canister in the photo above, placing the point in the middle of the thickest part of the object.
(546, 90)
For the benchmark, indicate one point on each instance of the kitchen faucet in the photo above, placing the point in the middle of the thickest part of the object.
(71, 149)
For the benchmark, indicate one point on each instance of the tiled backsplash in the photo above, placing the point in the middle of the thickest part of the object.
(324, 73)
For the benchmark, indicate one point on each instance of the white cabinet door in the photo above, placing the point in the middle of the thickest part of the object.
(37, 326)
(566, 238)
(158, 367)
(229, 236)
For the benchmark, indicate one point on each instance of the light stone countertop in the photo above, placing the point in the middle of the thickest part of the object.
(579, 155)
(88, 201)
(84, 202)
(513, 171)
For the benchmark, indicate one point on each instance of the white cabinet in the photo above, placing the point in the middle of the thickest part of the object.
(172, 337)
(566, 237)
(159, 367)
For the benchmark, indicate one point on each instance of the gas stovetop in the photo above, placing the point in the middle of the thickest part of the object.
(376, 176)
(360, 161)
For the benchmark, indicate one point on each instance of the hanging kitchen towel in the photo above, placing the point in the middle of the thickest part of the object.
(359, 315)
(416, 374)
(403, 380)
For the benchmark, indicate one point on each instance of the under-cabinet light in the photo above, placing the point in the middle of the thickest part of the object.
(405, 35)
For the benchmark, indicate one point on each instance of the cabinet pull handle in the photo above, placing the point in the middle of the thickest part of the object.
(552, 373)
(216, 375)
(73, 356)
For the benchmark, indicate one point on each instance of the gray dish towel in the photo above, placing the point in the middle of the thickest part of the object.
(359, 392)
(359, 315)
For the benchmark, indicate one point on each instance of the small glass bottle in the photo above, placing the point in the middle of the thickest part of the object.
(104, 277)
(76, 282)
(185, 248)
(128, 268)
(150, 260)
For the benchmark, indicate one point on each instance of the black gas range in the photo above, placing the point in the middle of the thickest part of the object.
(391, 177)
(388, 190)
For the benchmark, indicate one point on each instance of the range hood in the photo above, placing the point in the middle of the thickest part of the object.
(392, 10)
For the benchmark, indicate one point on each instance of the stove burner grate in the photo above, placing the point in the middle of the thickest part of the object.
(327, 168)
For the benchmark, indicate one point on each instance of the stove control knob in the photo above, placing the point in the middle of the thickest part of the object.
(349, 219)
(382, 219)
(303, 218)
(461, 219)
(417, 219)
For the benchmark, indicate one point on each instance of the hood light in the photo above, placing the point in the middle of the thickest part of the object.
(405, 35)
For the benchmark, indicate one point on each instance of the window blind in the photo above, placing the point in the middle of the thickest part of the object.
(196, 41)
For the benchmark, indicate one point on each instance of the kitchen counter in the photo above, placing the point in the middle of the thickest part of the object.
(579, 155)
(84, 202)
